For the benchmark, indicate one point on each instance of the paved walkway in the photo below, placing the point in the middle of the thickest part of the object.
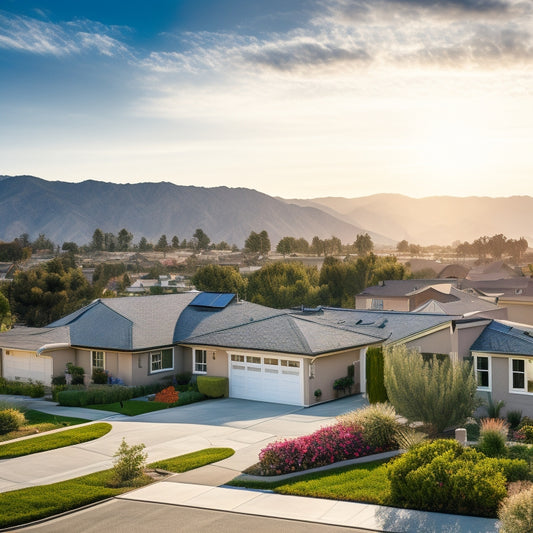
(244, 426)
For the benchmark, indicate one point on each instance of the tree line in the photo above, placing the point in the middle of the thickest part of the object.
(284, 285)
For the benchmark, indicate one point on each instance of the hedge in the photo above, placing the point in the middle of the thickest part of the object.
(375, 376)
(213, 387)
(102, 394)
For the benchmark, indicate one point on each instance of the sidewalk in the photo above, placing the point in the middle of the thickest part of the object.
(331, 512)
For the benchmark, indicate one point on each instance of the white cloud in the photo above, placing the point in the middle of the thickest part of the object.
(58, 39)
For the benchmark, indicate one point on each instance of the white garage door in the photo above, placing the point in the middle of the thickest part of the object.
(25, 366)
(267, 379)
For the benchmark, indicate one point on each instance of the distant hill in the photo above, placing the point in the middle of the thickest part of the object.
(433, 220)
(72, 211)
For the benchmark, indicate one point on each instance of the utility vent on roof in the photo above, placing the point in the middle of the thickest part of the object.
(382, 323)
(215, 300)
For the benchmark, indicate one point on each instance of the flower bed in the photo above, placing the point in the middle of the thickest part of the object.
(323, 447)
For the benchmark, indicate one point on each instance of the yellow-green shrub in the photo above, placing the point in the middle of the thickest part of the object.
(212, 387)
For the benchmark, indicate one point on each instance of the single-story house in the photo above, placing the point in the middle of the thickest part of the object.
(281, 356)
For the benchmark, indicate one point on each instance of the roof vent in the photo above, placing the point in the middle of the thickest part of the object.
(381, 283)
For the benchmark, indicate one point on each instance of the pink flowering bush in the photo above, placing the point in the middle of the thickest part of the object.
(325, 446)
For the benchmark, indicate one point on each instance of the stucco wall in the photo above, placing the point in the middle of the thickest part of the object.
(438, 342)
(217, 365)
(464, 336)
(389, 304)
(518, 312)
(327, 370)
(500, 389)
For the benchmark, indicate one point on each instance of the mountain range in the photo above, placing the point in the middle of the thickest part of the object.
(72, 211)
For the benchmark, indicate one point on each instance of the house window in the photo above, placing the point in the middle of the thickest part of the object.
(161, 360)
(199, 361)
(376, 304)
(483, 372)
(520, 380)
(97, 360)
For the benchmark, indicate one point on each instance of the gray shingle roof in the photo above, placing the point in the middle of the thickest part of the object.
(31, 339)
(285, 333)
(391, 325)
(501, 338)
(127, 324)
(462, 304)
(401, 287)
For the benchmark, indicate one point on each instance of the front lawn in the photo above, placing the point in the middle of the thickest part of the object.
(54, 440)
(366, 482)
(39, 422)
(34, 503)
(139, 407)
(130, 407)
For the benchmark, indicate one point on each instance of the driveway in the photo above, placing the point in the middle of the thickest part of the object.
(243, 425)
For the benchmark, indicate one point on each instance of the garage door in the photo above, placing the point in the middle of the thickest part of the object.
(266, 379)
(25, 366)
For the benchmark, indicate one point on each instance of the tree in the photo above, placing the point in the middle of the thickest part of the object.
(375, 378)
(201, 240)
(42, 243)
(497, 245)
(439, 393)
(97, 242)
(363, 244)
(286, 246)
(110, 242)
(258, 242)
(402, 246)
(124, 240)
(175, 242)
(283, 285)
(144, 245)
(70, 247)
(415, 249)
(5, 310)
(317, 246)
(162, 244)
(217, 278)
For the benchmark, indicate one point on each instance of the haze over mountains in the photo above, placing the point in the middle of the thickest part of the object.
(72, 211)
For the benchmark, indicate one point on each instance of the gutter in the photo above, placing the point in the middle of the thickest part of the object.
(52, 346)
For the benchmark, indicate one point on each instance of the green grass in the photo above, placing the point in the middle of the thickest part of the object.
(130, 407)
(139, 407)
(34, 503)
(54, 440)
(367, 482)
(193, 460)
(38, 422)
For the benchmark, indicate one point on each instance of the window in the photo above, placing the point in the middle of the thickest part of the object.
(483, 372)
(199, 361)
(97, 360)
(518, 374)
(376, 304)
(237, 358)
(161, 360)
(291, 364)
(254, 360)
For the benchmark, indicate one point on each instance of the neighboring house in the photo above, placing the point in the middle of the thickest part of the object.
(496, 270)
(167, 283)
(280, 356)
(462, 303)
(503, 360)
(401, 295)
(441, 270)
(515, 294)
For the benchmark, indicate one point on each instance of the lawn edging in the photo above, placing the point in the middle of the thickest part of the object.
(332, 466)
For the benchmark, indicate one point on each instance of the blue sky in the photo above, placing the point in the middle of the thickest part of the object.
(294, 98)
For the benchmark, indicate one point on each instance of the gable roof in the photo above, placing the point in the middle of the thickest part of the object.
(401, 287)
(285, 333)
(498, 337)
(126, 324)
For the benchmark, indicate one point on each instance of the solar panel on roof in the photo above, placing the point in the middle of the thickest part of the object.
(217, 300)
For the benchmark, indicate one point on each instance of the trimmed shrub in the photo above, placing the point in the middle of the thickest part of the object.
(11, 420)
(76, 373)
(514, 469)
(378, 424)
(325, 446)
(22, 388)
(188, 397)
(443, 476)
(516, 512)
(183, 378)
(59, 380)
(99, 376)
(212, 387)
(375, 376)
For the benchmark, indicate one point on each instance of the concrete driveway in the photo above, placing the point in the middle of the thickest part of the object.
(243, 425)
